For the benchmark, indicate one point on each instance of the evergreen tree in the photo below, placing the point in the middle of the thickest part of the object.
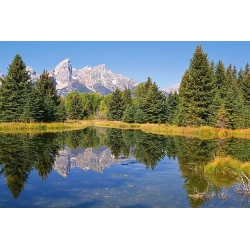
(141, 91)
(196, 91)
(129, 114)
(245, 88)
(214, 109)
(186, 102)
(127, 99)
(222, 120)
(212, 65)
(154, 105)
(140, 116)
(234, 106)
(75, 106)
(234, 71)
(115, 108)
(48, 98)
(240, 76)
(61, 110)
(247, 69)
(16, 93)
(219, 78)
(200, 86)
(150, 103)
(172, 104)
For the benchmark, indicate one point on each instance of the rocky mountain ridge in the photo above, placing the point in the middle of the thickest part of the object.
(172, 89)
(95, 159)
(98, 79)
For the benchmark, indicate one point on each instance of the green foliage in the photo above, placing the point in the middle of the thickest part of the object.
(16, 93)
(47, 98)
(129, 114)
(185, 107)
(222, 120)
(90, 103)
(86, 138)
(115, 106)
(140, 116)
(61, 110)
(21, 154)
(200, 86)
(150, 103)
(234, 106)
(209, 94)
(196, 91)
(245, 88)
(219, 78)
(172, 104)
(214, 108)
(116, 143)
(126, 98)
(75, 106)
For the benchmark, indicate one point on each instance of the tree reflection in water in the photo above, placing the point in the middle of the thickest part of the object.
(22, 153)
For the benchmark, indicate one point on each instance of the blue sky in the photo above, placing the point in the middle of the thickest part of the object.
(164, 61)
(129, 20)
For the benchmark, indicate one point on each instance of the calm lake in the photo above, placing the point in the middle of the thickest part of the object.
(112, 168)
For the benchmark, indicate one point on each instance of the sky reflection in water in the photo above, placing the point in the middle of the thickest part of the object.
(114, 168)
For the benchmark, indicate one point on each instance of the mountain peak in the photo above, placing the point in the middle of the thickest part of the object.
(87, 67)
(101, 66)
(65, 61)
(97, 79)
(172, 89)
(33, 75)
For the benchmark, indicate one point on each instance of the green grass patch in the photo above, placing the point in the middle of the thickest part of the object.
(227, 166)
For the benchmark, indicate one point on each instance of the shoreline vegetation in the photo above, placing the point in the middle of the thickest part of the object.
(203, 132)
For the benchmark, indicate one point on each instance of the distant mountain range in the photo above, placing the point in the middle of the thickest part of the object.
(95, 159)
(172, 89)
(97, 79)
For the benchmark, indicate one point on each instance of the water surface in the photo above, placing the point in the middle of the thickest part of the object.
(94, 168)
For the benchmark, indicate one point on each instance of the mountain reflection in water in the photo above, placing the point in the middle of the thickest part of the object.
(96, 150)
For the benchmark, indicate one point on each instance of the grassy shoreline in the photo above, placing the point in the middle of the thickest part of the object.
(19, 127)
(204, 132)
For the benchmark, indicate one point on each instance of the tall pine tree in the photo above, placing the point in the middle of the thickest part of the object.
(200, 86)
(196, 91)
(16, 99)
(47, 98)
(115, 106)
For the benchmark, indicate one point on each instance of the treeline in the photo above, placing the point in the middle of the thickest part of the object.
(210, 95)
(21, 100)
(213, 95)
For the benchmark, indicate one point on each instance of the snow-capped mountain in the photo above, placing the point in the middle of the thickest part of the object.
(172, 89)
(95, 159)
(97, 79)
(33, 75)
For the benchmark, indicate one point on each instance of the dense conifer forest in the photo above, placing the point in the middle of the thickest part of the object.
(210, 94)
